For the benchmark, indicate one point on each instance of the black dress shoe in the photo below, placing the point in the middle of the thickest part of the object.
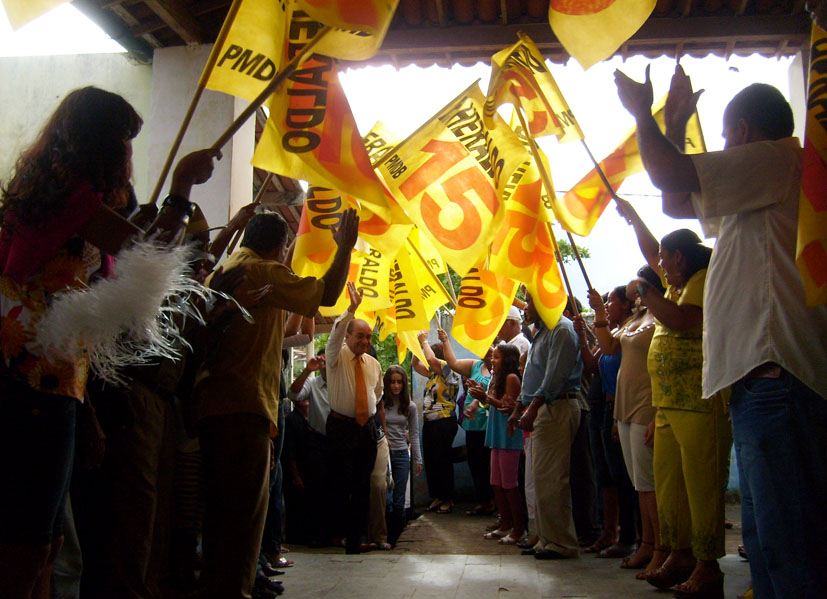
(528, 551)
(548, 554)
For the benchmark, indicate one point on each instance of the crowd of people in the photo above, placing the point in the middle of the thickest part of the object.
(608, 436)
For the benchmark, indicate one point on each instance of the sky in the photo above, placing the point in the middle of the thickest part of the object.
(403, 99)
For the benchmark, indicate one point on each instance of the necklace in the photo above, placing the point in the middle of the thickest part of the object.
(638, 330)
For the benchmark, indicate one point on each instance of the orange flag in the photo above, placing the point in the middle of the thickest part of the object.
(593, 30)
(523, 250)
(583, 204)
(519, 76)
(311, 133)
(450, 177)
(482, 306)
(811, 249)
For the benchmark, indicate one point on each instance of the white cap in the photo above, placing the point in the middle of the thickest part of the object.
(514, 314)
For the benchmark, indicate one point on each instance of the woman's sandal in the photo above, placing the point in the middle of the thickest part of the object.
(508, 540)
(649, 569)
(598, 546)
(701, 589)
(627, 564)
(496, 534)
(435, 505)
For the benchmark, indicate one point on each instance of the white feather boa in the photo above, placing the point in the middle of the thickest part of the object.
(129, 318)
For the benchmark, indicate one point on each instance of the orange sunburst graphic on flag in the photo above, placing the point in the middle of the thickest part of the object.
(580, 7)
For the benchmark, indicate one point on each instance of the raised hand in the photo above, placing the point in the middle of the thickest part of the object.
(422, 337)
(355, 297)
(625, 210)
(316, 363)
(681, 102)
(635, 97)
(443, 336)
(348, 230)
(195, 168)
(596, 301)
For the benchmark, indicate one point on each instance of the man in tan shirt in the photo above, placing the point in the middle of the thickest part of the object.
(354, 381)
(237, 396)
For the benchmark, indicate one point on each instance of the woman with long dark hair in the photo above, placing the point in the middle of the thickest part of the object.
(58, 219)
(502, 394)
(692, 433)
(402, 432)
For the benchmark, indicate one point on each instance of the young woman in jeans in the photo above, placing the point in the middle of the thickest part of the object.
(402, 430)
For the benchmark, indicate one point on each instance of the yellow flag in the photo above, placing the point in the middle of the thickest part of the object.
(321, 215)
(450, 177)
(811, 248)
(519, 75)
(583, 204)
(360, 26)
(523, 250)
(408, 307)
(20, 12)
(592, 31)
(252, 51)
(311, 133)
(428, 252)
(482, 306)
(370, 273)
(430, 289)
(406, 340)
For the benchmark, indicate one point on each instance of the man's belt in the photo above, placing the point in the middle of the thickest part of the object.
(567, 395)
(342, 417)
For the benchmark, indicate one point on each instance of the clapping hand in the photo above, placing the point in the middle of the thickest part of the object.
(681, 102)
(635, 97)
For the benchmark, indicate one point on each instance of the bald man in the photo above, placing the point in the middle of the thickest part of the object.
(354, 381)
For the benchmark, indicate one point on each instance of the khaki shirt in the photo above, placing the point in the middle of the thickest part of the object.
(243, 365)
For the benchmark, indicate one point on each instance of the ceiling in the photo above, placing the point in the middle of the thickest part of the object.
(446, 32)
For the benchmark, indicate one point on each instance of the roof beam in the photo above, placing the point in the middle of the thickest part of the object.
(178, 18)
(118, 28)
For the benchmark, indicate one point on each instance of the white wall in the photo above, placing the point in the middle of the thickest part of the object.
(174, 80)
(31, 87)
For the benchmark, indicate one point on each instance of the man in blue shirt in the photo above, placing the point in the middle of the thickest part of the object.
(548, 408)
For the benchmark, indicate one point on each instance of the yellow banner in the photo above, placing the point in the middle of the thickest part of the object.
(430, 289)
(20, 12)
(522, 248)
(451, 177)
(360, 27)
(370, 272)
(406, 340)
(583, 204)
(311, 133)
(482, 306)
(321, 215)
(519, 75)
(428, 252)
(811, 247)
(593, 31)
(251, 54)
(408, 307)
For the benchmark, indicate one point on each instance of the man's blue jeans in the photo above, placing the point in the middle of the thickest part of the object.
(400, 469)
(780, 436)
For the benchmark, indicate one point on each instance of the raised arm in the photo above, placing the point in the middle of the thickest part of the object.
(589, 359)
(647, 242)
(670, 170)
(237, 223)
(607, 342)
(463, 366)
(337, 335)
(313, 364)
(433, 362)
(336, 276)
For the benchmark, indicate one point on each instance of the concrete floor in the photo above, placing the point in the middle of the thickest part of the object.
(445, 557)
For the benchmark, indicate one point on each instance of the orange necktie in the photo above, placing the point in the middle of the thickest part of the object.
(362, 414)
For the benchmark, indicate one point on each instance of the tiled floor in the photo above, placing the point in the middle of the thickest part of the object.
(445, 557)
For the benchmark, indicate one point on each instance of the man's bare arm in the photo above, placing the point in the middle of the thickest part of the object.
(336, 276)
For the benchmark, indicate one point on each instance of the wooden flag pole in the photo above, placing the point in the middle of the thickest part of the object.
(550, 189)
(274, 84)
(600, 172)
(433, 275)
(256, 200)
(579, 260)
(196, 97)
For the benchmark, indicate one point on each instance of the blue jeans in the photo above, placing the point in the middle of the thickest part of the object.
(400, 469)
(779, 429)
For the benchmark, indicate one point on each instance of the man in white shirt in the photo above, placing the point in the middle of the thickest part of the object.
(511, 331)
(314, 391)
(759, 336)
(354, 388)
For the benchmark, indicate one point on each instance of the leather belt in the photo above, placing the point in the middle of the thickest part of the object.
(342, 417)
(567, 395)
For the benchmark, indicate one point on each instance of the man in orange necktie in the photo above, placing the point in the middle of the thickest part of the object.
(354, 381)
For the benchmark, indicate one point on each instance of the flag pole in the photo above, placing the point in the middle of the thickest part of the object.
(550, 189)
(433, 275)
(196, 97)
(600, 172)
(393, 150)
(256, 200)
(274, 84)
(579, 260)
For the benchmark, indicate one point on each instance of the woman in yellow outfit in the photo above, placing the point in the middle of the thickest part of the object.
(692, 434)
